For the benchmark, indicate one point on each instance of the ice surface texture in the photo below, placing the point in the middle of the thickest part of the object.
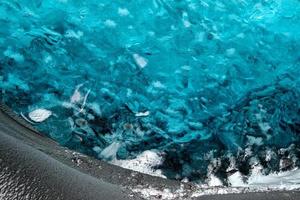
(212, 86)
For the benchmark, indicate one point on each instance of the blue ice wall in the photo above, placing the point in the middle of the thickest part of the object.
(205, 82)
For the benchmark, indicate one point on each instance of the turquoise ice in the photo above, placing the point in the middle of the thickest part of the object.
(211, 85)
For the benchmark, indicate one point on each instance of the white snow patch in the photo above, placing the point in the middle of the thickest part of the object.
(214, 181)
(150, 193)
(236, 180)
(256, 183)
(144, 163)
(288, 180)
(39, 115)
(181, 193)
(202, 190)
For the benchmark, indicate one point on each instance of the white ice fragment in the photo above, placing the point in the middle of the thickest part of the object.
(123, 11)
(110, 23)
(214, 181)
(110, 151)
(142, 114)
(39, 115)
(140, 61)
(144, 163)
(185, 180)
(236, 180)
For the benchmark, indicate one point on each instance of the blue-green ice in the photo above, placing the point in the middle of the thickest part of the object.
(212, 86)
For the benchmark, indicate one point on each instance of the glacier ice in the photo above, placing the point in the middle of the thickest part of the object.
(39, 115)
(213, 86)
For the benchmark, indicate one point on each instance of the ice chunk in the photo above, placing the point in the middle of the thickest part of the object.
(145, 163)
(140, 61)
(110, 152)
(39, 115)
(214, 181)
(286, 180)
(142, 114)
(236, 180)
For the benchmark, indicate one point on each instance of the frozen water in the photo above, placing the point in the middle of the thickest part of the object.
(146, 163)
(213, 86)
(39, 115)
